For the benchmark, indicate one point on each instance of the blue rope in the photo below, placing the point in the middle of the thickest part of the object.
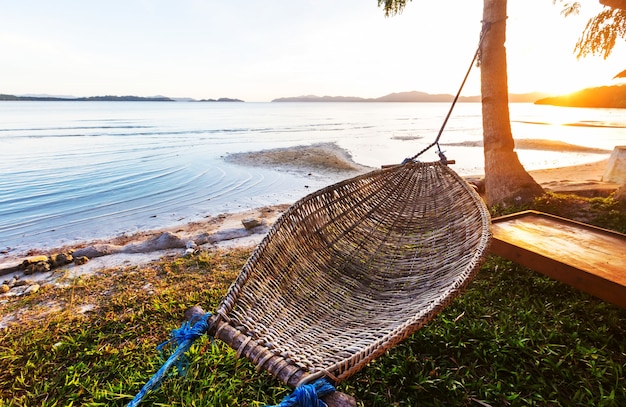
(187, 332)
(183, 338)
(308, 395)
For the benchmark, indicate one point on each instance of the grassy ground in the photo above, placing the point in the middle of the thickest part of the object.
(514, 338)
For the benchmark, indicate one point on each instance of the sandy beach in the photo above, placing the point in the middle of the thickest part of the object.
(228, 230)
(583, 179)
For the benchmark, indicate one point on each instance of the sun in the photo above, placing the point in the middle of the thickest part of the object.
(563, 78)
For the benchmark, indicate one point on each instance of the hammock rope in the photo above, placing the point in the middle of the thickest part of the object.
(483, 33)
(308, 395)
(182, 338)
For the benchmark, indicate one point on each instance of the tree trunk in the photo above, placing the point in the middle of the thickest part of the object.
(506, 180)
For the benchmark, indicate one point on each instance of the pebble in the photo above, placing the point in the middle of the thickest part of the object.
(32, 289)
(61, 259)
(80, 260)
(250, 223)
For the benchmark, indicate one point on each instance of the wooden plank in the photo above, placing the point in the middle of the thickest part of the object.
(586, 257)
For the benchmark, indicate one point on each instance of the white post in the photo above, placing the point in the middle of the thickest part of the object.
(616, 168)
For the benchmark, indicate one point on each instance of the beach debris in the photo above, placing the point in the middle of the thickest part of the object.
(42, 264)
(218, 233)
(33, 260)
(163, 241)
(97, 250)
(166, 240)
(17, 287)
(61, 259)
(31, 289)
(37, 264)
(202, 238)
(250, 223)
(20, 283)
(191, 248)
(80, 260)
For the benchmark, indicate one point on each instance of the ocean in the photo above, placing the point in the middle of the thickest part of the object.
(78, 171)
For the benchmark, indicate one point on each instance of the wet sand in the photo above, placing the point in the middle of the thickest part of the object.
(539, 144)
(325, 157)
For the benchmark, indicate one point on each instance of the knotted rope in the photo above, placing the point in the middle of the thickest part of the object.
(308, 395)
(182, 338)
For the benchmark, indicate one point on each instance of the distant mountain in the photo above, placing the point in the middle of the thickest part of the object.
(413, 97)
(313, 98)
(4, 97)
(49, 98)
(603, 97)
(125, 99)
(526, 97)
(219, 100)
(45, 95)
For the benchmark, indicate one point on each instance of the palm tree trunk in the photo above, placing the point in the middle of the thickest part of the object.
(506, 180)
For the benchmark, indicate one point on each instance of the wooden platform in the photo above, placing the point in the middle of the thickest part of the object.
(585, 257)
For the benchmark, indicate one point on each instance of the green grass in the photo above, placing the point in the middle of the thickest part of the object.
(514, 338)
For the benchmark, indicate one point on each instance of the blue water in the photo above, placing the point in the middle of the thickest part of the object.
(74, 171)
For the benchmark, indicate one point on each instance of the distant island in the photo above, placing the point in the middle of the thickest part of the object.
(411, 97)
(602, 97)
(599, 97)
(108, 98)
(219, 100)
(85, 99)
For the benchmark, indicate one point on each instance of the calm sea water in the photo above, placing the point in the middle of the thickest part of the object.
(73, 171)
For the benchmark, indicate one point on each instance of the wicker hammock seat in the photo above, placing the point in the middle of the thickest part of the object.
(349, 271)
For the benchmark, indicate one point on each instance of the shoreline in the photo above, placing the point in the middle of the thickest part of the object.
(226, 230)
(582, 179)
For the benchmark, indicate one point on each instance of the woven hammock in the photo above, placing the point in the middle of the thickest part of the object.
(351, 270)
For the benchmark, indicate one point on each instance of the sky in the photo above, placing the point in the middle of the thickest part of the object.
(261, 50)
